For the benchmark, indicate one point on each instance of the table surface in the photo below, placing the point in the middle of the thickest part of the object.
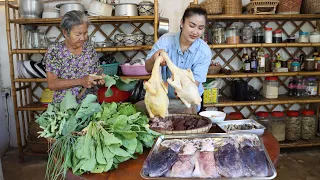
(130, 170)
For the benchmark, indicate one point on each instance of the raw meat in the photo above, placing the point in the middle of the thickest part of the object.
(254, 161)
(228, 161)
(183, 82)
(205, 166)
(189, 149)
(183, 167)
(156, 98)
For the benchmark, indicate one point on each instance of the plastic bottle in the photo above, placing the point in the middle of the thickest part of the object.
(291, 87)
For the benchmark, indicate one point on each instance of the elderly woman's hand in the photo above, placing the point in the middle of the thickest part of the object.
(90, 80)
(102, 81)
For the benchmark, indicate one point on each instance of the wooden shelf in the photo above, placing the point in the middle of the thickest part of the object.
(300, 143)
(283, 99)
(271, 17)
(37, 106)
(93, 19)
(247, 75)
(104, 49)
(270, 45)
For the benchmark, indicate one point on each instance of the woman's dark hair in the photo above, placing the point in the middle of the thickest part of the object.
(192, 10)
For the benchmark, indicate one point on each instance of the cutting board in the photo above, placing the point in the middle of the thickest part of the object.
(175, 107)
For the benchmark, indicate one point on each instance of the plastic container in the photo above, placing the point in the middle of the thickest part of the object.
(278, 125)
(110, 69)
(270, 87)
(235, 116)
(277, 36)
(218, 34)
(263, 118)
(133, 70)
(314, 36)
(303, 37)
(268, 35)
(232, 35)
(293, 126)
(295, 67)
(247, 33)
(309, 64)
(291, 39)
(311, 86)
(308, 124)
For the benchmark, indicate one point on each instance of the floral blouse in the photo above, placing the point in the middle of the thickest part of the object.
(61, 62)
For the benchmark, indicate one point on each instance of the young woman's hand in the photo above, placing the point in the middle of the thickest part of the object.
(157, 54)
(90, 80)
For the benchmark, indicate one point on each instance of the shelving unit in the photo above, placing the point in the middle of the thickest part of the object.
(281, 21)
(24, 91)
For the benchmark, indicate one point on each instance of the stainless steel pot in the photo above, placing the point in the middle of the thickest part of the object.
(66, 7)
(163, 26)
(31, 8)
(126, 9)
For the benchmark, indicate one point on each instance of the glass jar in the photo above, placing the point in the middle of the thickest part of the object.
(218, 34)
(314, 36)
(268, 35)
(263, 118)
(258, 35)
(291, 39)
(309, 64)
(247, 33)
(308, 124)
(303, 37)
(270, 87)
(293, 126)
(277, 36)
(232, 35)
(311, 86)
(278, 125)
(295, 67)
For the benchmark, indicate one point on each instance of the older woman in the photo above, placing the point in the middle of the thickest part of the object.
(70, 63)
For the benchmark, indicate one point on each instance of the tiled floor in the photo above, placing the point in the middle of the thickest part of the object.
(293, 164)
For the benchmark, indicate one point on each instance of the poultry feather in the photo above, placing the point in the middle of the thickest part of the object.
(156, 98)
(183, 82)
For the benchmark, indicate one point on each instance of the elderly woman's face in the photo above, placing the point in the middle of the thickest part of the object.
(78, 35)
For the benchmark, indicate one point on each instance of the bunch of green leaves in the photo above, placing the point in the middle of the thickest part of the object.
(68, 116)
(116, 135)
(122, 84)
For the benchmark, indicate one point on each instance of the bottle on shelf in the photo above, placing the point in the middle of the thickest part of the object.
(291, 87)
(300, 87)
(273, 62)
(268, 64)
(247, 65)
(278, 61)
(244, 54)
(261, 61)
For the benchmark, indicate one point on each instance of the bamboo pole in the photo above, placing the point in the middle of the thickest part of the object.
(195, 1)
(156, 20)
(14, 95)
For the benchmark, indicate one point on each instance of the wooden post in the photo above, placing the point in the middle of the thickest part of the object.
(156, 20)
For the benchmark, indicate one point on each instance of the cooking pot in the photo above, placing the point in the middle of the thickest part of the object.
(163, 26)
(126, 9)
(31, 8)
(51, 5)
(100, 9)
(66, 7)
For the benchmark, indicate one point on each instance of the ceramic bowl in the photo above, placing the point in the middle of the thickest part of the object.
(214, 116)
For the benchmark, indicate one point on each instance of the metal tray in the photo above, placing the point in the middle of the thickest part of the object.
(258, 131)
(156, 145)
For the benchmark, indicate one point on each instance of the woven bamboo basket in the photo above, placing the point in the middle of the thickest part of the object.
(262, 6)
(212, 6)
(232, 6)
(203, 129)
(289, 7)
(311, 6)
(214, 69)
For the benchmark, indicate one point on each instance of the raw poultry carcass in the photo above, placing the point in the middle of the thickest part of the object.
(183, 82)
(156, 98)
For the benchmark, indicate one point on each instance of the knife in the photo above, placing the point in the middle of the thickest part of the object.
(83, 90)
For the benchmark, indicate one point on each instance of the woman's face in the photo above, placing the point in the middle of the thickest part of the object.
(78, 35)
(193, 27)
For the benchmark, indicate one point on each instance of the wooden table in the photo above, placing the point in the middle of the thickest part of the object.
(130, 170)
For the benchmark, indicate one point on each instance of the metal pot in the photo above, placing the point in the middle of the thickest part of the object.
(31, 8)
(126, 9)
(66, 7)
(50, 14)
(100, 9)
(163, 26)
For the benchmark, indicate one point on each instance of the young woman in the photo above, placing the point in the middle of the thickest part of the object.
(185, 48)
(69, 63)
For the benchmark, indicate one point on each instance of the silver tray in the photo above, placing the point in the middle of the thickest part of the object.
(258, 131)
(158, 142)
